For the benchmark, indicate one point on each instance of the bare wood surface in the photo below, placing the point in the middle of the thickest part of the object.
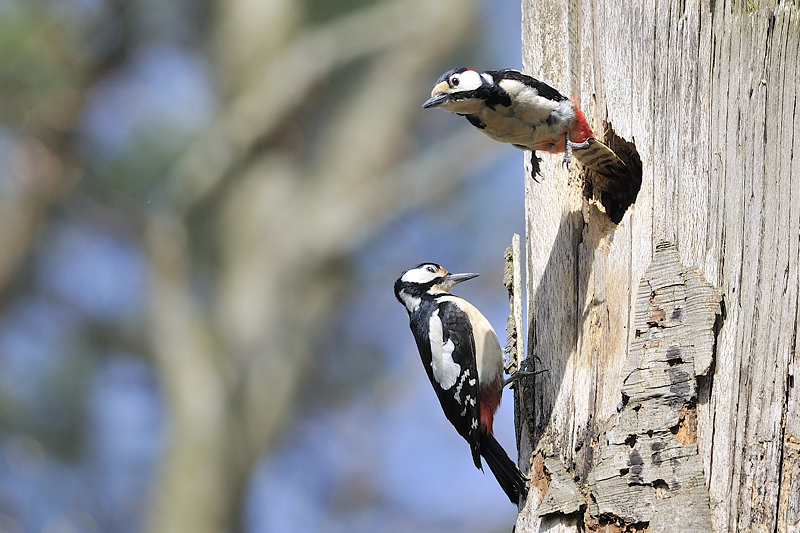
(707, 93)
(563, 495)
(650, 471)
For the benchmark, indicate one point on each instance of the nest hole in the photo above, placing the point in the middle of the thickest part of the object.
(616, 193)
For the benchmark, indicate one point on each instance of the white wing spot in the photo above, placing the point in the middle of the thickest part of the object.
(464, 376)
(445, 370)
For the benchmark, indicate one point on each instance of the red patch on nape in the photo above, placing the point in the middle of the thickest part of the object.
(580, 131)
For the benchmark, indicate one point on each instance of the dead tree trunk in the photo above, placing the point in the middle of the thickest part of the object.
(665, 345)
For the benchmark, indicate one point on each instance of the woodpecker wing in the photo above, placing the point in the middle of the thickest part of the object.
(541, 87)
(447, 349)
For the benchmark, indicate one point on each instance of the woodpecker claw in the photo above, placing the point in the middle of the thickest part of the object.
(524, 372)
(535, 160)
(519, 374)
(569, 146)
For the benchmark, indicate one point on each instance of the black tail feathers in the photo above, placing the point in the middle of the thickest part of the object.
(504, 469)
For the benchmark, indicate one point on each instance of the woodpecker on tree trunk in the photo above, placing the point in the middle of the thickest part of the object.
(464, 363)
(515, 108)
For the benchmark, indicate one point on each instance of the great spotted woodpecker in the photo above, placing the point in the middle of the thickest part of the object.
(464, 363)
(512, 107)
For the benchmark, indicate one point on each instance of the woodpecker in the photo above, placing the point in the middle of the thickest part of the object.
(464, 363)
(515, 108)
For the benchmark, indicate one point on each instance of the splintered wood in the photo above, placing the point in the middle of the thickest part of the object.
(646, 473)
(563, 495)
(512, 279)
(515, 345)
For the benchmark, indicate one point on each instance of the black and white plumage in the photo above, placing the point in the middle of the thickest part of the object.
(464, 362)
(515, 108)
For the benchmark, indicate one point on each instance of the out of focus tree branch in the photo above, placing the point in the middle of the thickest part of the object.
(289, 76)
(45, 75)
(283, 226)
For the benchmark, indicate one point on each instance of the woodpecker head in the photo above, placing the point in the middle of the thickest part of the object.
(426, 279)
(460, 90)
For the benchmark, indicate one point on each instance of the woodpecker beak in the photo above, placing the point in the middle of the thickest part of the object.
(438, 96)
(435, 101)
(451, 280)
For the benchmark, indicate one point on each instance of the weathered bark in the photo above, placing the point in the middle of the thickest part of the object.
(707, 96)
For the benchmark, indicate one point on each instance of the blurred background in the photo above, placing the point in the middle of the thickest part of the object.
(203, 209)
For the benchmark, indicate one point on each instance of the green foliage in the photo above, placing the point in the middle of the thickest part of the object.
(39, 70)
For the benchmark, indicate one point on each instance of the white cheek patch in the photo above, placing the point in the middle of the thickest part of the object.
(419, 275)
(469, 80)
(445, 370)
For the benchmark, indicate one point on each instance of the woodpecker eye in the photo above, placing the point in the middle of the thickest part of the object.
(431, 269)
(454, 81)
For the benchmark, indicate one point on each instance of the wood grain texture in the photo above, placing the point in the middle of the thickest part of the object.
(708, 93)
(515, 342)
(650, 471)
(563, 495)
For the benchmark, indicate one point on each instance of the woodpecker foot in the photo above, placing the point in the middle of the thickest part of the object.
(569, 146)
(535, 170)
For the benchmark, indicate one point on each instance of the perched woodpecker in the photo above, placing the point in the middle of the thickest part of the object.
(464, 362)
(512, 107)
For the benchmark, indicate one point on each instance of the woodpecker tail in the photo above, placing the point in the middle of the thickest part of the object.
(504, 469)
(601, 159)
